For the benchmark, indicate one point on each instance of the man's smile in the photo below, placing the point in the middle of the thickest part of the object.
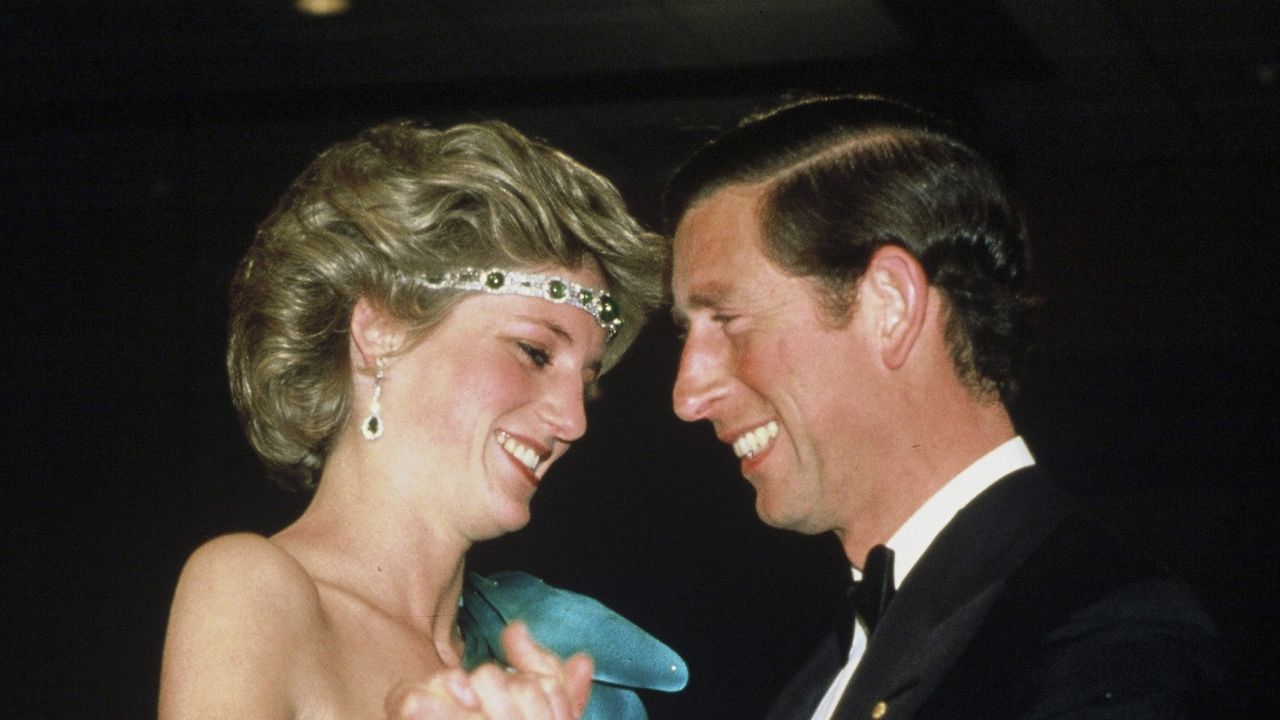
(753, 442)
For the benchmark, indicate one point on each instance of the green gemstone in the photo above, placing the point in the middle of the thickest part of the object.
(494, 280)
(585, 296)
(608, 309)
(556, 289)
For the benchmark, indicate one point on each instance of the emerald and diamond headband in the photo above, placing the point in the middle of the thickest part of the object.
(596, 303)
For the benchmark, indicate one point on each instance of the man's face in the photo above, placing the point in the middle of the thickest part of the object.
(793, 393)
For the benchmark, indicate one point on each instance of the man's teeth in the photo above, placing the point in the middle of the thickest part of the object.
(752, 442)
(520, 451)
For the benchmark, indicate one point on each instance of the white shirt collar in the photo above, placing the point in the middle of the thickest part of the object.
(918, 532)
(915, 535)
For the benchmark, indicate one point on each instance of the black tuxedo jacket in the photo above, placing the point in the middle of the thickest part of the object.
(1023, 607)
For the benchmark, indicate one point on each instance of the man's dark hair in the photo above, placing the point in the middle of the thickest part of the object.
(844, 176)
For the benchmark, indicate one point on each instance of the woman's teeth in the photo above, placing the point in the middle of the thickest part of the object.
(750, 443)
(519, 451)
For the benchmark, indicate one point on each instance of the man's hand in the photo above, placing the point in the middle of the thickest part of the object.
(537, 687)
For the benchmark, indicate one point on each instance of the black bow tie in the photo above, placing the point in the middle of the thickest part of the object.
(869, 597)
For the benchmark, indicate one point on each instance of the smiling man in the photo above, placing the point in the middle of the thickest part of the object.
(851, 280)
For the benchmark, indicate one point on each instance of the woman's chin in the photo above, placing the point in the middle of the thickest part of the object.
(510, 518)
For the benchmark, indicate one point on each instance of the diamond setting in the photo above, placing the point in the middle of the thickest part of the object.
(597, 303)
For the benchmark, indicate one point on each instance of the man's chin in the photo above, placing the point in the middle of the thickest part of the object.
(782, 517)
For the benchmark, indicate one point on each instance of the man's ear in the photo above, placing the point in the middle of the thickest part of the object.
(897, 282)
(374, 334)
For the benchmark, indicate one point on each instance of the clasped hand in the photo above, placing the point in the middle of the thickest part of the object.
(538, 686)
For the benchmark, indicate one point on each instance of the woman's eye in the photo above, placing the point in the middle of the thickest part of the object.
(538, 356)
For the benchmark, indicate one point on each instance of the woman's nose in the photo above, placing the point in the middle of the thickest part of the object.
(565, 410)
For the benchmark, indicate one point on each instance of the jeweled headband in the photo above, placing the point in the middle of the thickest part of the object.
(597, 303)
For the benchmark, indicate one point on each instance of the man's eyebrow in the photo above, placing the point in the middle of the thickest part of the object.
(711, 295)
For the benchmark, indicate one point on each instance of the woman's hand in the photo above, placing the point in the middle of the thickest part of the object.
(447, 695)
(538, 687)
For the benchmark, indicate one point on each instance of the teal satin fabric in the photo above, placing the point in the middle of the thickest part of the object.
(626, 657)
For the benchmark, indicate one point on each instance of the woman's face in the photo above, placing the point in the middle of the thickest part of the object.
(481, 407)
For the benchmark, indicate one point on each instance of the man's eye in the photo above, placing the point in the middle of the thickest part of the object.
(538, 356)
(681, 328)
(722, 319)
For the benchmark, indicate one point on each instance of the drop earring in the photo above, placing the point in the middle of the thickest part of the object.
(371, 428)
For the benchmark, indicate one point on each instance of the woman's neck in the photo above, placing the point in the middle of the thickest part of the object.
(359, 537)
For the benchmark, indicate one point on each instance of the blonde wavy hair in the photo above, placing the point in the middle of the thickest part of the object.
(370, 214)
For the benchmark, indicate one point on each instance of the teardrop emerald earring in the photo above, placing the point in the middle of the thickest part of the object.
(372, 426)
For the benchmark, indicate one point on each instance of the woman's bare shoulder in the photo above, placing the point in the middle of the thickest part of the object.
(245, 616)
(250, 559)
(248, 571)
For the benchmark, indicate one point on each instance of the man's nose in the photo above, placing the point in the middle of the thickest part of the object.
(700, 379)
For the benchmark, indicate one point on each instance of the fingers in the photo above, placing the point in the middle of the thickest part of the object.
(578, 671)
(446, 696)
(510, 695)
(542, 685)
(526, 655)
(537, 687)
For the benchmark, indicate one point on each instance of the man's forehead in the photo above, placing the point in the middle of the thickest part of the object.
(716, 246)
(713, 293)
(714, 231)
(706, 267)
(734, 204)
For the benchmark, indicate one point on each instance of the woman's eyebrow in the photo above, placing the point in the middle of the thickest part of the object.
(553, 326)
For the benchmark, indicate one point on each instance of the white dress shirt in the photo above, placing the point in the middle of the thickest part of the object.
(915, 535)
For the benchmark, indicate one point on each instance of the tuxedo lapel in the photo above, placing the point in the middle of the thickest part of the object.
(945, 597)
(805, 689)
(902, 665)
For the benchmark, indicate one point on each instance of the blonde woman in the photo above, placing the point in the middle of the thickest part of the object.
(413, 334)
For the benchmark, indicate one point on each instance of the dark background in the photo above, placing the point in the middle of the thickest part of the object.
(142, 140)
